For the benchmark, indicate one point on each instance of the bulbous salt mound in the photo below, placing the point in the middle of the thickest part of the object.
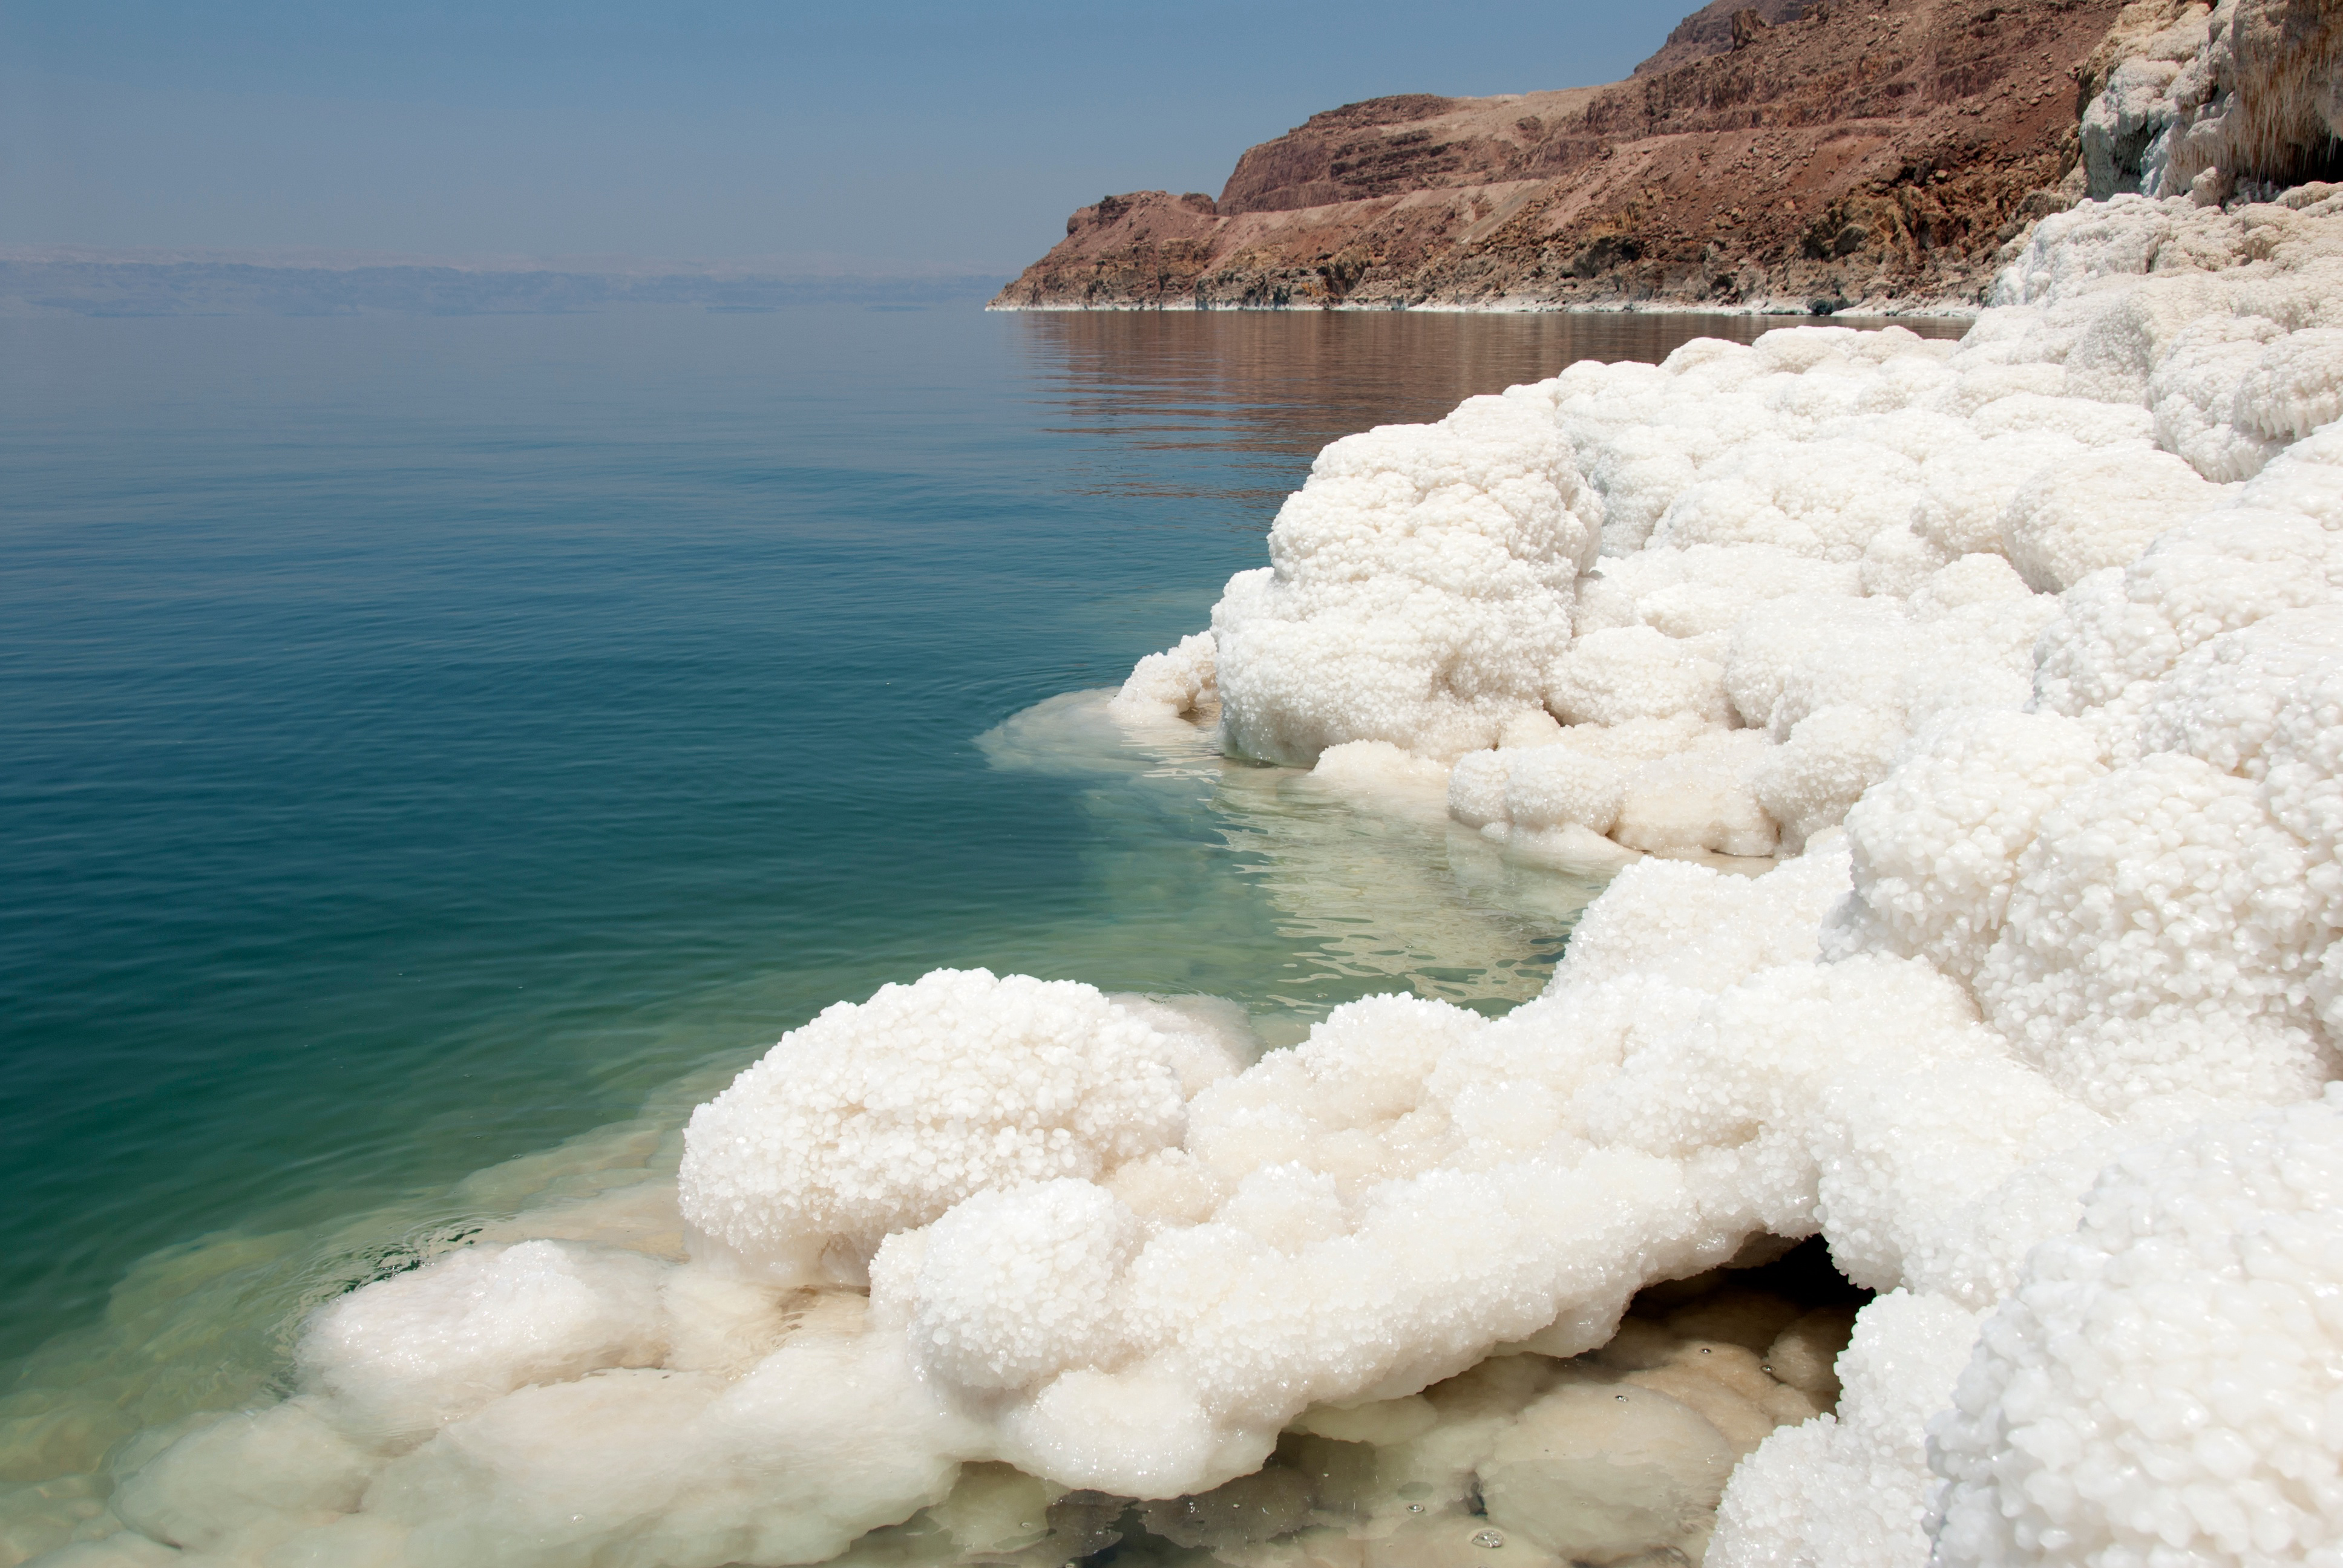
(2160, 939)
(879, 1117)
(1421, 580)
(1746, 487)
(2117, 633)
(2056, 530)
(1935, 845)
(2163, 1385)
(1017, 1286)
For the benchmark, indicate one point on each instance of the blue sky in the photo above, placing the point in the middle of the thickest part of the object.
(914, 134)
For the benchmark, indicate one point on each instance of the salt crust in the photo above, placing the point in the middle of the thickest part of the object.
(2207, 101)
(2028, 652)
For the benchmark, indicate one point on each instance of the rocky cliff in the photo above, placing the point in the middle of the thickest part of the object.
(1793, 155)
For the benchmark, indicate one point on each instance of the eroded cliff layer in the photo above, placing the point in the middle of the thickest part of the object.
(1875, 154)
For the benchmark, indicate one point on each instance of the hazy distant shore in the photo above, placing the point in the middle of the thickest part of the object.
(81, 286)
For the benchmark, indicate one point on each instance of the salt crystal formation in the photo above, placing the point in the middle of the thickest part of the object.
(2202, 95)
(2024, 659)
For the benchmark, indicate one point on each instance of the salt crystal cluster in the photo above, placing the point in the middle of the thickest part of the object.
(1420, 581)
(2022, 658)
(880, 1117)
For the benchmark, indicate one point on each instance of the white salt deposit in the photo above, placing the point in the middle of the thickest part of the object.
(1423, 581)
(879, 1118)
(2207, 101)
(2024, 656)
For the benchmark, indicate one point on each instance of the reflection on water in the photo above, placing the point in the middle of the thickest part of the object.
(1288, 897)
(1281, 385)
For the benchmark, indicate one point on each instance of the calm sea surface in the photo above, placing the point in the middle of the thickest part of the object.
(424, 738)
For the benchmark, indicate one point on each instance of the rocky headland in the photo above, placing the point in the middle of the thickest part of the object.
(1792, 155)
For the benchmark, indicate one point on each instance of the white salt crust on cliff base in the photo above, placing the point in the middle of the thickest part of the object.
(2025, 653)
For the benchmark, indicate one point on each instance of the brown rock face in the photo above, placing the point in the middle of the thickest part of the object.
(1715, 27)
(1773, 156)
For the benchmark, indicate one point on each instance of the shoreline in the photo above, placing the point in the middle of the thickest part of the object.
(1891, 312)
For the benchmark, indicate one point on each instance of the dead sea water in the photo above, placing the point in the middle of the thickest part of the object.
(429, 739)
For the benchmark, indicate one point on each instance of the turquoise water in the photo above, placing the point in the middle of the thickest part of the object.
(425, 739)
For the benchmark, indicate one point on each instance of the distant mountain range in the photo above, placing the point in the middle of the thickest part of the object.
(79, 282)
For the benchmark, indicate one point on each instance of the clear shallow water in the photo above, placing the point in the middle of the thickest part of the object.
(427, 738)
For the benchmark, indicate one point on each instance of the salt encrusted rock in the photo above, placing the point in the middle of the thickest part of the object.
(2076, 519)
(877, 1117)
(2243, 94)
(1413, 576)
(2160, 941)
(1633, 672)
(1177, 683)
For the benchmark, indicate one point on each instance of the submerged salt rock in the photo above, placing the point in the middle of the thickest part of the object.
(238, 1471)
(407, 1354)
(1268, 1502)
(1805, 1355)
(880, 1117)
(1597, 1471)
(832, 1435)
(1383, 1422)
(993, 1508)
(1378, 776)
(129, 1550)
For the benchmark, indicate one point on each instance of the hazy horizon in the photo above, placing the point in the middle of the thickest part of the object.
(920, 139)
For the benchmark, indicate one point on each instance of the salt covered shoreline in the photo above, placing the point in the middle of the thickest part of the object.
(2021, 654)
(2015, 665)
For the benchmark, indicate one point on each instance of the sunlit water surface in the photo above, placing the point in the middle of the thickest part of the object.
(429, 741)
